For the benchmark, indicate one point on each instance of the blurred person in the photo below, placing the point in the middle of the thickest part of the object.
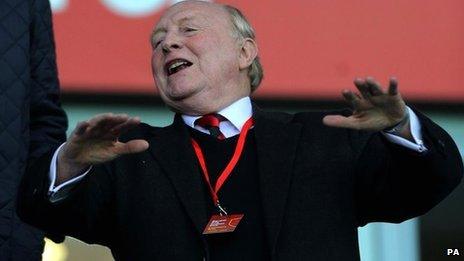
(31, 119)
(227, 180)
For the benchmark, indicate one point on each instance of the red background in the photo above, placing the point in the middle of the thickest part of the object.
(309, 49)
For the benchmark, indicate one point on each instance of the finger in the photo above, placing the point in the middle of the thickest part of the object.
(80, 128)
(374, 87)
(132, 146)
(393, 86)
(103, 121)
(362, 87)
(110, 120)
(351, 98)
(123, 127)
(99, 117)
(339, 121)
(103, 125)
(107, 126)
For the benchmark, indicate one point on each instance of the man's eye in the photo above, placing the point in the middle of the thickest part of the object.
(155, 45)
(188, 29)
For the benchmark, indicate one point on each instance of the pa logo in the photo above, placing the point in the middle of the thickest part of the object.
(452, 252)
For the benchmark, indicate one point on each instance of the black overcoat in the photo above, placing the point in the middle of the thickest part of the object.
(318, 185)
(31, 120)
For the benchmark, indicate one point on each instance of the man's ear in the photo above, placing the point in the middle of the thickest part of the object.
(248, 53)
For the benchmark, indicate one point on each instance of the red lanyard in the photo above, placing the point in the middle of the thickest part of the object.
(228, 170)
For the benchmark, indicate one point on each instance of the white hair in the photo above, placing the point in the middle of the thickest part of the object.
(242, 29)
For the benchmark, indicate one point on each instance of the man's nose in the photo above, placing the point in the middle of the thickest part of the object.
(170, 43)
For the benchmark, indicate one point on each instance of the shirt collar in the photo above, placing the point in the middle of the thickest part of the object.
(237, 113)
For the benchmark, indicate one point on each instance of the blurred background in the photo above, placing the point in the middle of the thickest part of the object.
(310, 51)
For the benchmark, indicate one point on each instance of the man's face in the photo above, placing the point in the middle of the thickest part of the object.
(195, 56)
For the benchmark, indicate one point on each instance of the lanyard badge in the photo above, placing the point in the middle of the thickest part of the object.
(223, 222)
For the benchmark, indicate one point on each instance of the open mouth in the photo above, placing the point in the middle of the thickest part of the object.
(176, 65)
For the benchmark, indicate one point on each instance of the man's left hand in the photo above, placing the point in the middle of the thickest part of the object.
(373, 110)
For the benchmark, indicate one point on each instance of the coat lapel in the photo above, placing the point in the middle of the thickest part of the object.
(277, 141)
(172, 148)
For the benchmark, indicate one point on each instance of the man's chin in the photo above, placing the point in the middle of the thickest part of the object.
(180, 96)
(181, 103)
(181, 91)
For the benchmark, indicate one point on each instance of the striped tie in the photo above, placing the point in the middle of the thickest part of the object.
(211, 123)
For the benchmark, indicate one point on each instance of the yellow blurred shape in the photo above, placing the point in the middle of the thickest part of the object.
(54, 252)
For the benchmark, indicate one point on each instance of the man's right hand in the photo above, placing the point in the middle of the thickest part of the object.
(96, 141)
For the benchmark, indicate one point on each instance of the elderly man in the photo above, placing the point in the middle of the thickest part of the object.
(228, 181)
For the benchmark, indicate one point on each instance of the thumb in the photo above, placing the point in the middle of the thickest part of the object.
(132, 146)
(339, 121)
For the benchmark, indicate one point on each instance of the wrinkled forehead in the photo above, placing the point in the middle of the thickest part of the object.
(189, 10)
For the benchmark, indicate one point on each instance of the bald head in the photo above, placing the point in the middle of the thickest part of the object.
(198, 2)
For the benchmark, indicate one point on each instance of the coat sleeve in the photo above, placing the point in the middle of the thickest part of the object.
(393, 183)
(85, 213)
(48, 122)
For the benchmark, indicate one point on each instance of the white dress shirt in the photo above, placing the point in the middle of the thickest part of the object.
(237, 114)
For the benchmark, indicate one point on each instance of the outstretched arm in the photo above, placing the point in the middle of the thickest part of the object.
(85, 213)
(393, 183)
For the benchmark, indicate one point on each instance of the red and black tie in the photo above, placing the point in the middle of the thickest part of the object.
(211, 123)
